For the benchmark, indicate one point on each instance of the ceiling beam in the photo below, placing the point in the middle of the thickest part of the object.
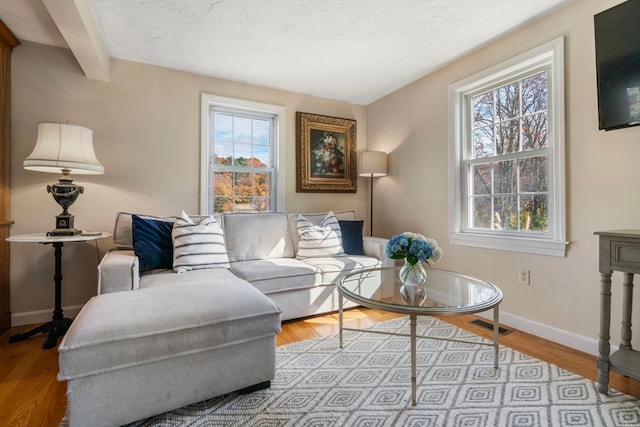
(77, 24)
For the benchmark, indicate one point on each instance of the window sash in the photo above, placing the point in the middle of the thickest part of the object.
(236, 169)
(471, 158)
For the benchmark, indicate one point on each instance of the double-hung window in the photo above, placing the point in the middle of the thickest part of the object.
(240, 156)
(507, 149)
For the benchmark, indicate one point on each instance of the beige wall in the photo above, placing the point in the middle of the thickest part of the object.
(146, 124)
(603, 174)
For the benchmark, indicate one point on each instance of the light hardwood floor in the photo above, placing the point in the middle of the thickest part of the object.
(30, 395)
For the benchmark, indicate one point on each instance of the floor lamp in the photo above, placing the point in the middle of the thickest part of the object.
(373, 164)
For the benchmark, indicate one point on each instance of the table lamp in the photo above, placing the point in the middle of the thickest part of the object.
(373, 164)
(65, 148)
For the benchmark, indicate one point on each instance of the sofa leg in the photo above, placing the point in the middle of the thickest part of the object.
(255, 387)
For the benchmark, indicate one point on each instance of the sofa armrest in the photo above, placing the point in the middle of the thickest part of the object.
(118, 271)
(377, 247)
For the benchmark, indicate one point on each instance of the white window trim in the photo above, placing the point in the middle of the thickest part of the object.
(549, 56)
(206, 149)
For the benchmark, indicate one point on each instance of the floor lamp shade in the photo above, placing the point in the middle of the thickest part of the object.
(64, 148)
(373, 164)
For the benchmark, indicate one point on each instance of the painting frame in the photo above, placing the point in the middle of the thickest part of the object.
(326, 154)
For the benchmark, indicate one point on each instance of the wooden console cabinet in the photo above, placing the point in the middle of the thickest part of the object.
(7, 43)
(619, 251)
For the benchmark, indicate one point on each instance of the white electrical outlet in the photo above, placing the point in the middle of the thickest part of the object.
(524, 278)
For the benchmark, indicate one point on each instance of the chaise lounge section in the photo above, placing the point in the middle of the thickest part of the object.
(131, 355)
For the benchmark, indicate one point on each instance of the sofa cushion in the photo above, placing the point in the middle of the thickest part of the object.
(332, 268)
(199, 312)
(198, 245)
(277, 275)
(257, 236)
(319, 240)
(352, 241)
(152, 243)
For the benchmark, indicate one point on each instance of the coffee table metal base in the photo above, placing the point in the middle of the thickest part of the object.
(413, 335)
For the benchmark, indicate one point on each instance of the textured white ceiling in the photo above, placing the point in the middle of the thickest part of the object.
(349, 50)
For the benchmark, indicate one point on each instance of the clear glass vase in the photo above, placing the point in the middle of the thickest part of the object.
(413, 277)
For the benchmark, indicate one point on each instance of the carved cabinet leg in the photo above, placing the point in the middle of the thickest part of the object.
(627, 302)
(604, 347)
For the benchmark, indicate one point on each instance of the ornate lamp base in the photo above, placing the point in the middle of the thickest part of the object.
(64, 226)
(64, 192)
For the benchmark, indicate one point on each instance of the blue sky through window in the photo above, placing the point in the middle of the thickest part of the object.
(249, 137)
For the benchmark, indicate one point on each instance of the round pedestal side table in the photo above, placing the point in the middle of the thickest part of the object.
(58, 325)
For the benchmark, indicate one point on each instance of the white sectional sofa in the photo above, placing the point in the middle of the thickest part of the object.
(157, 340)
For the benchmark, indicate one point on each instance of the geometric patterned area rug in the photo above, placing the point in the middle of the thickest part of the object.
(368, 383)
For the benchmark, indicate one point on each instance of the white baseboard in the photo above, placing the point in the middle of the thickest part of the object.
(578, 342)
(41, 316)
(569, 339)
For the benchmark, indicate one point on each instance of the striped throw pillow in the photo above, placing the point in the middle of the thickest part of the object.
(320, 240)
(198, 245)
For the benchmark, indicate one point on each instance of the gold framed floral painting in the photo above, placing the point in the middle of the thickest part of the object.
(326, 149)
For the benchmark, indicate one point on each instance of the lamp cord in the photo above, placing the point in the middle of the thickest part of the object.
(95, 242)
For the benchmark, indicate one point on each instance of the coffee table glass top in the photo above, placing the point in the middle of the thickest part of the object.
(448, 292)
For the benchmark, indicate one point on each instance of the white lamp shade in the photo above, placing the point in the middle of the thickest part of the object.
(63, 146)
(373, 163)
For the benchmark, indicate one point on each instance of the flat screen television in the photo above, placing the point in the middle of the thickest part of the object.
(617, 37)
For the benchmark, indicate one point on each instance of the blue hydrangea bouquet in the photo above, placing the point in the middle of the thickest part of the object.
(414, 248)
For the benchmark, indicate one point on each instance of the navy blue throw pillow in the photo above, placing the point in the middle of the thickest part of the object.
(352, 237)
(152, 242)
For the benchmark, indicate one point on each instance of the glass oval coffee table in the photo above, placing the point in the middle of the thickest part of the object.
(448, 294)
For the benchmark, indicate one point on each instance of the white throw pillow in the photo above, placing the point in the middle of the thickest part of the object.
(198, 245)
(319, 240)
